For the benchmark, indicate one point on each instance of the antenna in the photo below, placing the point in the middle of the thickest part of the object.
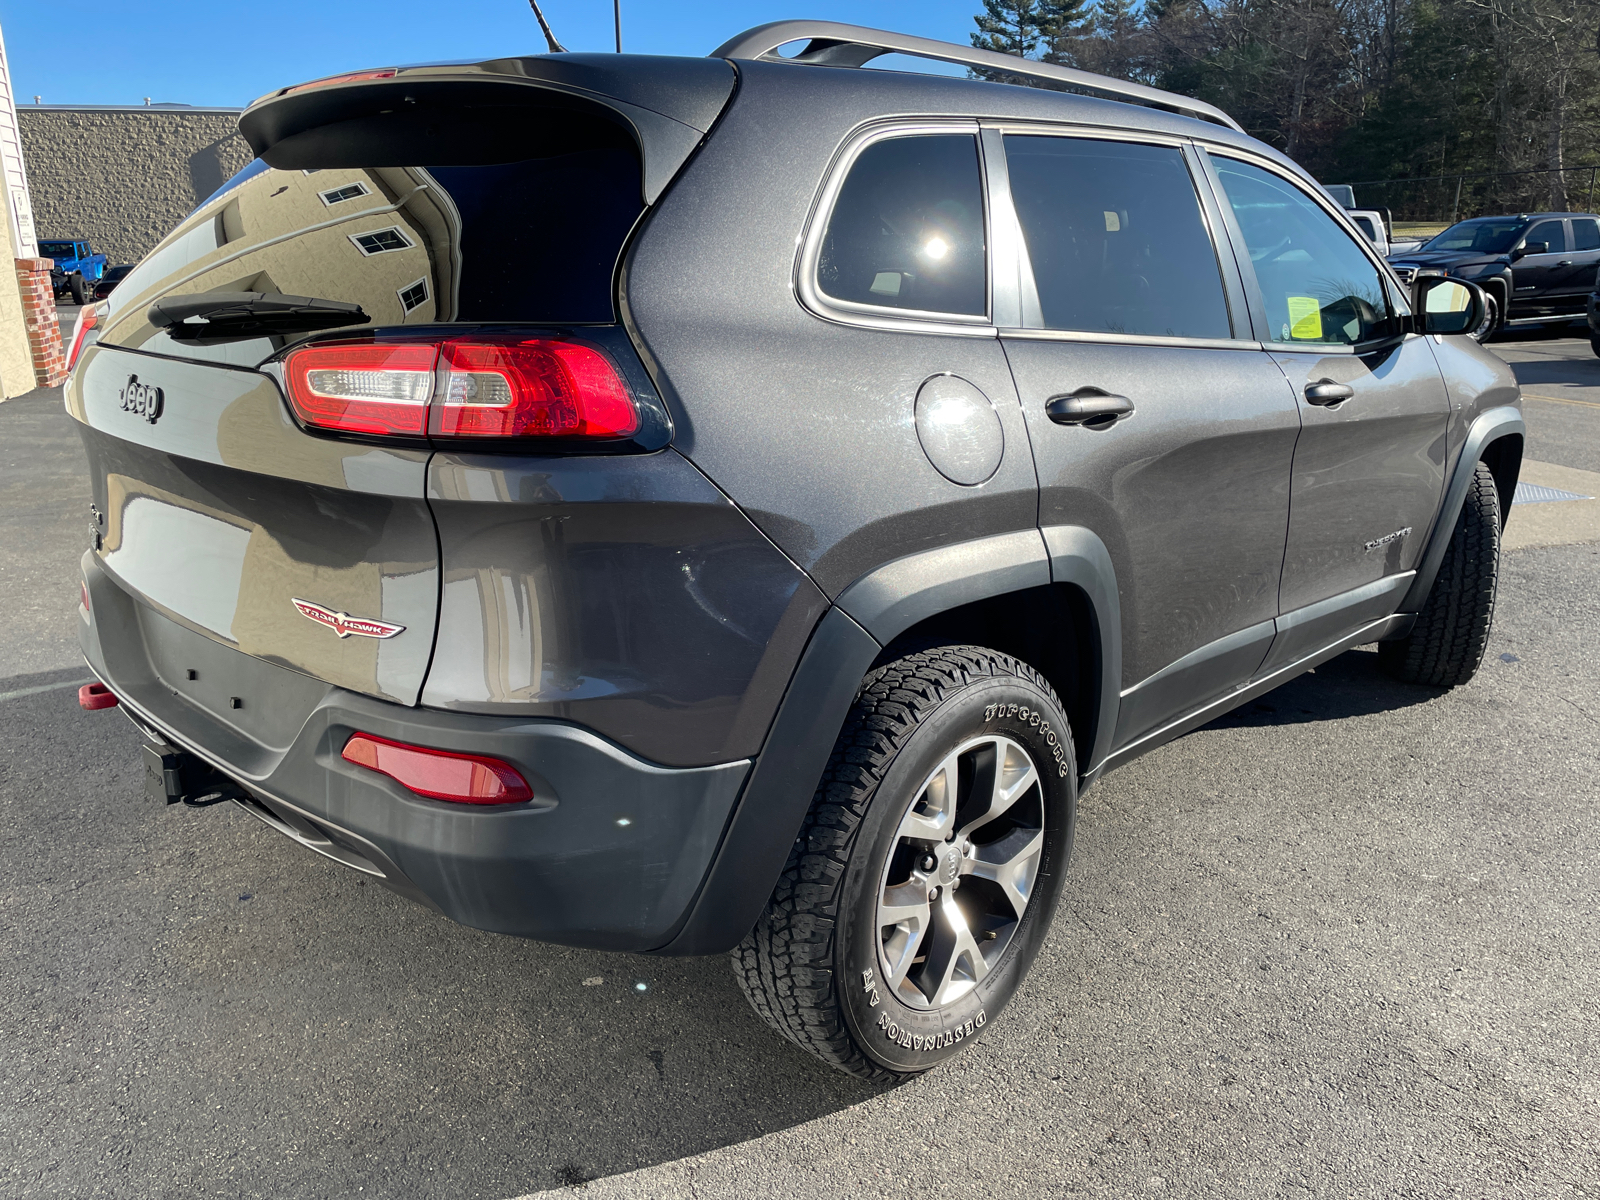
(555, 46)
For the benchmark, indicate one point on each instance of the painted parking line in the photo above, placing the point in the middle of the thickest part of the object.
(43, 687)
(1561, 400)
(1538, 493)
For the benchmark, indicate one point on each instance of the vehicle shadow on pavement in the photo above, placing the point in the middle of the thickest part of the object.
(1350, 685)
(258, 1004)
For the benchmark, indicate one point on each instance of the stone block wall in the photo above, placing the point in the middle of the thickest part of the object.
(123, 177)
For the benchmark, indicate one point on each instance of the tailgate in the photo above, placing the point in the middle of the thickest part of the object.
(221, 514)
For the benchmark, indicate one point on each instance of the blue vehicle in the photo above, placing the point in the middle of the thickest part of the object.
(77, 267)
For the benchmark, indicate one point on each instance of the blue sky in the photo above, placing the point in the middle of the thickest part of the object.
(230, 52)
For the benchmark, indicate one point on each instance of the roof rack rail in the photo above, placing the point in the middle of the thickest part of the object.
(831, 44)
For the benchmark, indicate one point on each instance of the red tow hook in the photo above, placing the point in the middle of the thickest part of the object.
(96, 695)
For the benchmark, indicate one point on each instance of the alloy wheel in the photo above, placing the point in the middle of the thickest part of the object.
(960, 872)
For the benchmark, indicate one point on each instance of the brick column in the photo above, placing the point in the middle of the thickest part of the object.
(39, 317)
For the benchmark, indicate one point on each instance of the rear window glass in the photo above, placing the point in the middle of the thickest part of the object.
(1116, 238)
(534, 240)
(907, 229)
(1585, 234)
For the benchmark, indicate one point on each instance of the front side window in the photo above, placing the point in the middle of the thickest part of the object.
(906, 231)
(1552, 233)
(1116, 238)
(1318, 287)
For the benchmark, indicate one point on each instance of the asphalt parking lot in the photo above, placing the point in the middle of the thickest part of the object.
(1342, 942)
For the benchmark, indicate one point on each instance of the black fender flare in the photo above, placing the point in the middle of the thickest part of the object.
(866, 616)
(1487, 427)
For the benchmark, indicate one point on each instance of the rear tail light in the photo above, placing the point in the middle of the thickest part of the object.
(88, 318)
(365, 387)
(530, 389)
(439, 774)
(85, 588)
(463, 388)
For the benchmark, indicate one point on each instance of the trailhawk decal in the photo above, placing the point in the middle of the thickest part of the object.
(1387, 538)
(1033, 717)
(344, 624)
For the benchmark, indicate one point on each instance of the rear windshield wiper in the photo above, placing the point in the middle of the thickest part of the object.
(210, 317)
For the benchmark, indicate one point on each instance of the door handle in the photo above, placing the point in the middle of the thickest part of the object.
(1090, 406)
(1565, 262)
(1325, 392)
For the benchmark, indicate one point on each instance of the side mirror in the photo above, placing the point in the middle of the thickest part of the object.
(1530, 248)
(1448, 306)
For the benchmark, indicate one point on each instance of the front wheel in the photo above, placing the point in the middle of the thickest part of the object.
(1491, 317)
(1594, 344)
(82, 290)
(924, 879)
(1446, 645)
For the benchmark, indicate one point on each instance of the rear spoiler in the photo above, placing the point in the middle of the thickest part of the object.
(667, 105)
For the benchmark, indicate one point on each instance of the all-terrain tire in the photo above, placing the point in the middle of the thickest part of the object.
(812, 966)
(1446, 645)
(82, 290)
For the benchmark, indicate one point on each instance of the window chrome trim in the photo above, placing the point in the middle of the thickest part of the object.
(1132, 339)
(874, 316)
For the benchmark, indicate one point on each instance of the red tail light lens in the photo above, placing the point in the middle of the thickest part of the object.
(88, 318)
(536, 388)
(363, 387)
(462, 388)
(439, 774)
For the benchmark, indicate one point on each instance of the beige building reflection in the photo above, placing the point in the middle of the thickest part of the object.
(386, 238)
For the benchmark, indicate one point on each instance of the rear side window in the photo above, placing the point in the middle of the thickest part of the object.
(1316, 285)
(1116, 238)
(1585, 234)
(907, 230)
(1552, 233)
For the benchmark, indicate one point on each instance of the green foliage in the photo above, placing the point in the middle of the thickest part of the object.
(1359, 89)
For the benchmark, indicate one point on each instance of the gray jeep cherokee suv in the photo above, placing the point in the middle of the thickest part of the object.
(694, 506)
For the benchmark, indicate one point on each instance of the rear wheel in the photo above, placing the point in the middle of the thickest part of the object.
(1446, 645)
(924, 879)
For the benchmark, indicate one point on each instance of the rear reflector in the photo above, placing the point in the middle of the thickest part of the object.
(464, 388)
(88, 318)
(96, 695)
(439, 774)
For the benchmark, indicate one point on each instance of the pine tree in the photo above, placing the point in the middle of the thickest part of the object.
(1010, 26)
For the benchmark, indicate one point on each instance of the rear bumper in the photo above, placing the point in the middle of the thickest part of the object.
(610, 855)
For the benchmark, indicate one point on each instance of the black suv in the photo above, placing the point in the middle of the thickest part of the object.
(736, 504)
(1531, 265)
